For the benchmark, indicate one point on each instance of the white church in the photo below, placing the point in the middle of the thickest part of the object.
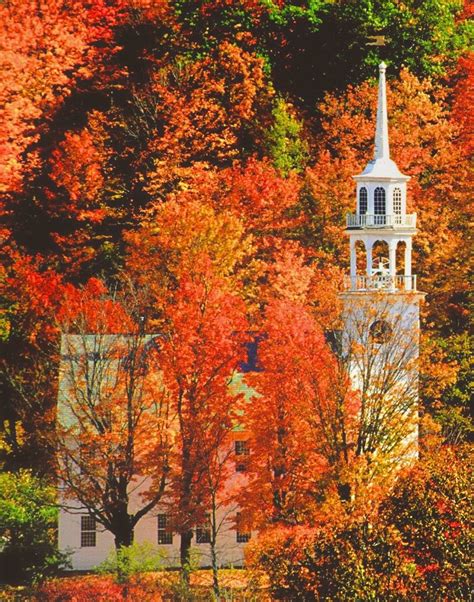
(381, 313)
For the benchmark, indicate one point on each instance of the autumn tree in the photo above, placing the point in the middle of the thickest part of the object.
(430, 507)
(31, 295)
(222, 483)
(200, 352)
(113, 438)
(45, 51)
(285, 466)
(341, 407)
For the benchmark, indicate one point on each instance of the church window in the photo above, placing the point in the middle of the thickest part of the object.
(203, 533)
(243, 534)
(362, 201)
(397, 201)
(379, 201)
(251, 364)
(165, 536)
(88, 532)
(241, 451)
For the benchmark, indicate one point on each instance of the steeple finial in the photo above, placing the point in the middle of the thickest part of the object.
(382, 150)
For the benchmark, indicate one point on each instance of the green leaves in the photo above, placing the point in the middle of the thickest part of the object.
(28, 515)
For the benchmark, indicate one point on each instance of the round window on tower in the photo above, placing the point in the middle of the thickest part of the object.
(380, 331)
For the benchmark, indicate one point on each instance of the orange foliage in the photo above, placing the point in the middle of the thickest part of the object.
(76, 165)
(204, 110)
(175, 235)
(90, 309)
(47, 46)
(299, 444)
(199, 354)
(464, 101)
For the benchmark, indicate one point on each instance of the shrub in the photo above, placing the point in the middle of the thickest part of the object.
(95, 589)
(133, 560)
(418, 547)
(431, 507)
(28, 518)
(352, 561)
(356, 561)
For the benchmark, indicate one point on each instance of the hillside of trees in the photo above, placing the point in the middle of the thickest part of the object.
(184, 167)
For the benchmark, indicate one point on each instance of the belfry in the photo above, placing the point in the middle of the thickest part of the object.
(381, 213)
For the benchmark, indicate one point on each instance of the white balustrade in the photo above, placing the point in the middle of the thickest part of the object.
(383, 282)
(368, 220)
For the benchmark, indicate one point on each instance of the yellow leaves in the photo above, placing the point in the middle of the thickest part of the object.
(175, 236)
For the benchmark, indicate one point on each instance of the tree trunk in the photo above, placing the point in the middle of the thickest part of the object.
(215, 570)
(185, 556)
(123, 537)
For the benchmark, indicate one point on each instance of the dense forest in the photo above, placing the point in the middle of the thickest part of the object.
(161, 157)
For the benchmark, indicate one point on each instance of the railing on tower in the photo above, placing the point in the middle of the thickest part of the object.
(368, 220)
(383, 282)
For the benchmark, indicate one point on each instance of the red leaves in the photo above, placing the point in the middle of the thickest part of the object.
(90, 310)
(32, 296)
(46, 48)
(296, 392)
(464, 101)
(77, 166)
(199, 354)
(262, 196)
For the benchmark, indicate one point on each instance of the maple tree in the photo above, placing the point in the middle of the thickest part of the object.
(173, 236)
(187, 113)
(200, 352)
(340, 421)
(285, 462)
(463, 99)
(46, 48)
(112, 432)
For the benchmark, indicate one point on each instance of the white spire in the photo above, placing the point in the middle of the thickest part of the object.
(382, 150)
(381, 167)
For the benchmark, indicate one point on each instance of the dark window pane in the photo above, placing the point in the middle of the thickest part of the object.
(241, 448)
(165, 536)
(88, 532)
(363, 201)
(379, 202)
(203, 535)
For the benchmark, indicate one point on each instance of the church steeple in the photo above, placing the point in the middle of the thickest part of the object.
(381, 211)
(382, 166)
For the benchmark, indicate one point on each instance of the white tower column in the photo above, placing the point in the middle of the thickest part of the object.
(408, 247)
(368, 250)
(353, 262)
(392, 257)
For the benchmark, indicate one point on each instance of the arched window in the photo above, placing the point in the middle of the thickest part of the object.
(362, 201)
(397, 201)
(379, 201)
